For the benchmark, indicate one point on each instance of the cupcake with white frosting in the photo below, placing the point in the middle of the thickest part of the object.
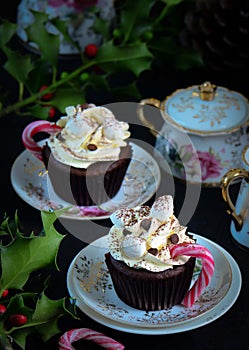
(88, 157)
(144, 273)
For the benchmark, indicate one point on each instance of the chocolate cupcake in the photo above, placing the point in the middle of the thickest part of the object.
(88, 158)
(144, 273)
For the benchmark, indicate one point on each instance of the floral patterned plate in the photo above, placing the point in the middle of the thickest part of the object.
(31, 182)
(90, 284)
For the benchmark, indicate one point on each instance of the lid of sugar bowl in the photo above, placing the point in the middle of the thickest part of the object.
(206, 109)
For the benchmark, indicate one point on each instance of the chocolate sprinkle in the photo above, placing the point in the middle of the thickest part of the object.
(153, 251)
(60, 137)
(84, 105)
(91, 147)
(174, 238)
(126, 232)
(145, 224)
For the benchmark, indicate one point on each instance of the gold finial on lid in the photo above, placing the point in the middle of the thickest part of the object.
(207, 91)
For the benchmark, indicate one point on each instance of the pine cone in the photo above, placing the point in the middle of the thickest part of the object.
(219, 31)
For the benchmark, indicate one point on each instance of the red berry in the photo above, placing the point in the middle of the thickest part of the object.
(91, 50)
(2, 309)
(17, 320)
(5, 293)
(51, 112)
(48, 96)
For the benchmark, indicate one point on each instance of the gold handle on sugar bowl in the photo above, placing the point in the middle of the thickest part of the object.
(140, 113)
(230, 177)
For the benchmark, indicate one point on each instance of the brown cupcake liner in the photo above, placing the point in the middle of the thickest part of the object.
(85, 187)
(150, 291)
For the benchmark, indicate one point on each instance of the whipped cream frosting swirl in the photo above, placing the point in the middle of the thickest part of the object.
(141, 236)
(88, 135)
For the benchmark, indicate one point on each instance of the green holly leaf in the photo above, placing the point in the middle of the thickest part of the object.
(39, 35)
(17, 304)
(98, 81)
(62, 27)
(49, 329)
(46, 315)
(171, 3)
(14, 62)
(20, 336)
(38, 111)
(33, 254)
(38, 322)
(127, 92)
(102, 27)
(39, 76)
(29, 252)
(135, 58)
(65, 97)
(14, 59)
(47, 309)
(7, 31)
(135, 19)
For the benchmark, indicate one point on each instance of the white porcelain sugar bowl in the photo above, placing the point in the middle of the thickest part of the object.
(203, 134)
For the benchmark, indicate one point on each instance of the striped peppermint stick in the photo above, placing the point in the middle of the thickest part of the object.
(34, 128)
(197, 251)
(66, 340)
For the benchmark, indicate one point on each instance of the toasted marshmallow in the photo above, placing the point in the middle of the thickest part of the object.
(134, 247)
(163, 208)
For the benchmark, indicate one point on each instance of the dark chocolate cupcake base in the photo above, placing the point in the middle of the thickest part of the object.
(85, 187)
(150, 291)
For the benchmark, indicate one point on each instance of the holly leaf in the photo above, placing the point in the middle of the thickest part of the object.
(19, 257)
(14, 59)
(38, 111)
(65, 97)
(135, 58)
(7, 31)
(62, 26)
(38, 34)
(39, 76)
(46, 315)
(101, 26)
(31, 253)
(20, 336)
(14, 62)
(171, 3)
(135, 19)
(127, 92)
(43, 320)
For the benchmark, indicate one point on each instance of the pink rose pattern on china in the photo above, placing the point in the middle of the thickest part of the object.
(210, 165)
(187, 162)
(210, 162)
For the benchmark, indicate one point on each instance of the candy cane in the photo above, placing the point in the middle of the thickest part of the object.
(32, 129)
(85, 333)
(197, 251)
